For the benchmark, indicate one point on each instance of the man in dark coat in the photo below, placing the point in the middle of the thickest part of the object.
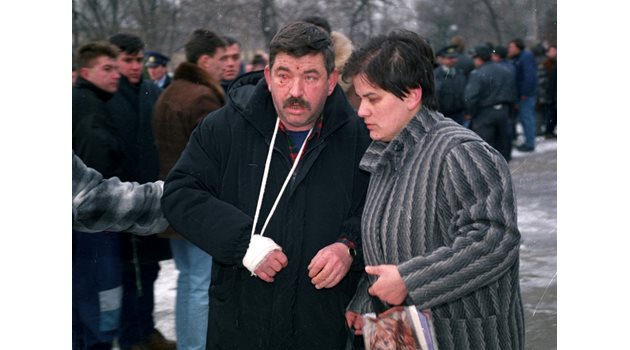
(96, 257)
(132, 109)
(284, 285)
(450, 83)
(489, 96)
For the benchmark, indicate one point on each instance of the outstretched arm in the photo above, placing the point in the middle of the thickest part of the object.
(112, 205)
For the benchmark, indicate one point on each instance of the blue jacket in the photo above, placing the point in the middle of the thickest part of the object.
(526, 74)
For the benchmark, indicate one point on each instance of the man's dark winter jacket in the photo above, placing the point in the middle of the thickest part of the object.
(449, 87)
(526, 73)
(489, 85)
(210, 198)
(131, 108)
(93, 131)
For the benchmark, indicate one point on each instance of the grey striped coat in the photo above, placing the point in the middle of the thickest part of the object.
(440, 206)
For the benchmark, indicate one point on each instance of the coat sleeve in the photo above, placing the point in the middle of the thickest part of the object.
(476, 182)
(361, 301)
(191, 202)
(111, 205)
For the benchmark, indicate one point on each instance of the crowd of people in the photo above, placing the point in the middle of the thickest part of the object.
(499, 88)
(295, 193)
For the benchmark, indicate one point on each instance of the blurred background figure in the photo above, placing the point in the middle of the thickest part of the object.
(527, 87)
(194, 93)
(464, 61)
(343, 48)
(489, 96)
(547, 96)
(231, 62)
(156, 67)
(499, 56)
(259, 61)
(450, 84)
(96, 257)
(131, 108)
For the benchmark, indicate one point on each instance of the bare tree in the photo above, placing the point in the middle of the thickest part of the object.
(165, 25)
(99, 19)
(494, 19)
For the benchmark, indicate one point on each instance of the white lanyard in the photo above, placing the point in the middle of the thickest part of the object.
(264, 179)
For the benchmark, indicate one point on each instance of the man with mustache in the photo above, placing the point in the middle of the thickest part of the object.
(269, 185)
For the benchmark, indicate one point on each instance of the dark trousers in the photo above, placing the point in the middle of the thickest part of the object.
(136, 322)
(550, 116)
(96, 289)
(492, 126)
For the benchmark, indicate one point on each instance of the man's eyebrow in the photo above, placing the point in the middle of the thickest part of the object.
(312, 70)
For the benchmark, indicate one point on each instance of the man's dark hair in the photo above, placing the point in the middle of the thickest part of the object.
(397, 63)
(298, 39)
(229, 41)
(519, 43)
(89, 52)
(202, 42)
(127, 43)
(258, 59)
(318, 21)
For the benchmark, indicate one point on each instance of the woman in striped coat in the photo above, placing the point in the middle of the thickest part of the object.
(439, 225)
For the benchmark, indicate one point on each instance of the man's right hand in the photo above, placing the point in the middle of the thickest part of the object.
(355, 322)
(271, 265)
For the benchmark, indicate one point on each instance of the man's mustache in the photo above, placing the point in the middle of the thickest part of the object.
(296, 101)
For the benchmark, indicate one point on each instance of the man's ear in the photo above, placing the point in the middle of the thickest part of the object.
(84, 73)
(332, 81)
(413, 98)
(267, 72)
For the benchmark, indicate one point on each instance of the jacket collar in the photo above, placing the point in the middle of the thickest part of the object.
(100, 94)
(195, 74)
(380, 153)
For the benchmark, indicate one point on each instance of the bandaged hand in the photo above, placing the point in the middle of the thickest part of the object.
(264, 258)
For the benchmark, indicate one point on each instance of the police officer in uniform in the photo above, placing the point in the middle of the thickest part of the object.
(489, 95)
(156, 67)
(450, 83)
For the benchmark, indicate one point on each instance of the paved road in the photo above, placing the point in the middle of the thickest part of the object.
(534, 178)
(535, 181)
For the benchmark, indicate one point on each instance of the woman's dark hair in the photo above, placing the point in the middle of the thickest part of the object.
(397, 63)
(299, 39)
